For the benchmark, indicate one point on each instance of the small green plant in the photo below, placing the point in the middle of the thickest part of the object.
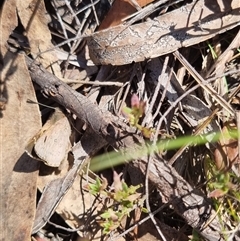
(195, 236)
(119, 201)
(134, 114)
(213, 53)
(219, 185)
(225, 194)
(96, 187)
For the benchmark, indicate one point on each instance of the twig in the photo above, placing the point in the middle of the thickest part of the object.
(147, 198)
(156, 92)
(201, 82)
(197, 132)
(61, 23)
(99, 83)
(95, 14)
(67, 2)
(163, 95)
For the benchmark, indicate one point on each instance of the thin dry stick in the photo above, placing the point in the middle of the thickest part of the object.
(67, 2)
(99, 83)
(61, 23)
(231, 72)
(70, 230)
(159, 125)
(79, 32)
(234, 93)
(60, 45)
(147, 199)
(197, 132)
(156, 92)
(95, 14)
(173, 105)
(127, 90)
(201, 82)
(163, 95)
(36, 7)
(118, 94)
(142, 90)
(154, 143)
(77, 42)
(78, 36)
(149, 9)
(87, 6)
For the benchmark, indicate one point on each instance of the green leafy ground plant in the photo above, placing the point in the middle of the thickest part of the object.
(224, 189)
(119, 202)
(135, 113)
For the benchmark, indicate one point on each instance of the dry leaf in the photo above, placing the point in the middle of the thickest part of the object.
(117, 182)
(36, 26)
(120, 10)
(19, 122)
(34, 18)
(216, 193)
(227, 152)
(53, 145)
(183, 27)
(8, 22)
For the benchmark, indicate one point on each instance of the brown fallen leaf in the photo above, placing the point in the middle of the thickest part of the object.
(53, 144)
(119, 10)
(217, 193)
(34, 18)
(8, 20)
(19, 122)
(226, 154)
(183, 27)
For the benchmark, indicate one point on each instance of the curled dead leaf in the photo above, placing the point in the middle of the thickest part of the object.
(52, 144)
(226, 153)
(117, 183)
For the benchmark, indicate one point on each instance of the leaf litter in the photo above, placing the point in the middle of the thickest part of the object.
(182, 95)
